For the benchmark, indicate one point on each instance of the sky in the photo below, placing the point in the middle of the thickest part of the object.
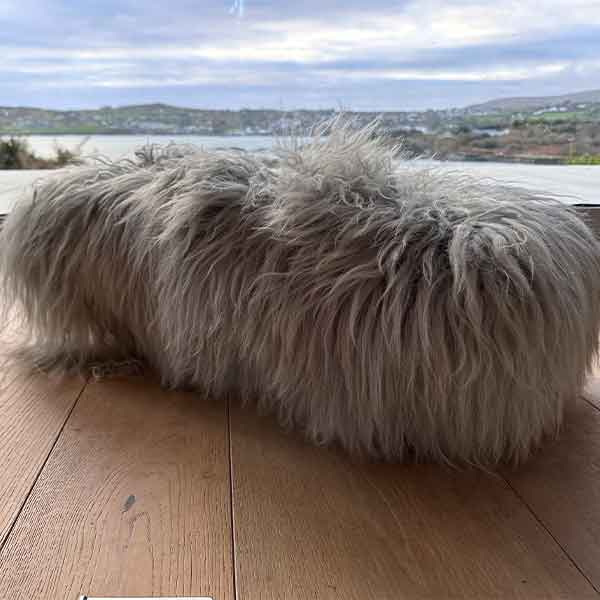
(354, 55)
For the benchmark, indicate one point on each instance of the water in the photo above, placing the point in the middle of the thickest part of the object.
(572, 184)
(116, 147)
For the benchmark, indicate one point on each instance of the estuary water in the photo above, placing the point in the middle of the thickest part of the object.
(571, 184)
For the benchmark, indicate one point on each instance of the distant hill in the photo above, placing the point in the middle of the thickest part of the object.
(148, 118)
(526, 103)
(165, 119)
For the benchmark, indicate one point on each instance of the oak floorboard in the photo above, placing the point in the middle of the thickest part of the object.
(592, 390)
(310, 523)
(134, 500)
(33, 410)
(561, 485)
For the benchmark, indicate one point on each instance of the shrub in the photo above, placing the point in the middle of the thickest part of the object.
(16, 154)
(584, 159)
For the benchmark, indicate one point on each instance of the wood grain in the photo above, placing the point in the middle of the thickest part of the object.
(308, 523)
(134, 500)
(33, 409)
(562, 487)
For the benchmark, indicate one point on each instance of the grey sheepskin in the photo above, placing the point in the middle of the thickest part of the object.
(398, 311)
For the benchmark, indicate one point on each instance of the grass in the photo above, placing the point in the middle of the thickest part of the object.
(584, 159)
(578, 116)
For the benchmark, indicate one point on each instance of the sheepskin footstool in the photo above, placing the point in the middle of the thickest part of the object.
(394, 310)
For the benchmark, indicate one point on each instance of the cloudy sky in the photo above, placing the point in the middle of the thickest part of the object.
(362, 55)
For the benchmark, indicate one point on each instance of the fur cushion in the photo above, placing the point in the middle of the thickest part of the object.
(395, 310)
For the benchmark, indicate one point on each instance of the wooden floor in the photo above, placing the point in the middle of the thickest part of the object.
(121, 488)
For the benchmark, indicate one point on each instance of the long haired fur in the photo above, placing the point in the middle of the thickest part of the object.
(383, 306)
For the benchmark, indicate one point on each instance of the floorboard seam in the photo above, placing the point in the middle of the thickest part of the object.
(592, 404)
(547, 530)
(231, 502)
(42, 467)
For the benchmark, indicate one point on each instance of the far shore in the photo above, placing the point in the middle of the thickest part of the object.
(432, 146)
